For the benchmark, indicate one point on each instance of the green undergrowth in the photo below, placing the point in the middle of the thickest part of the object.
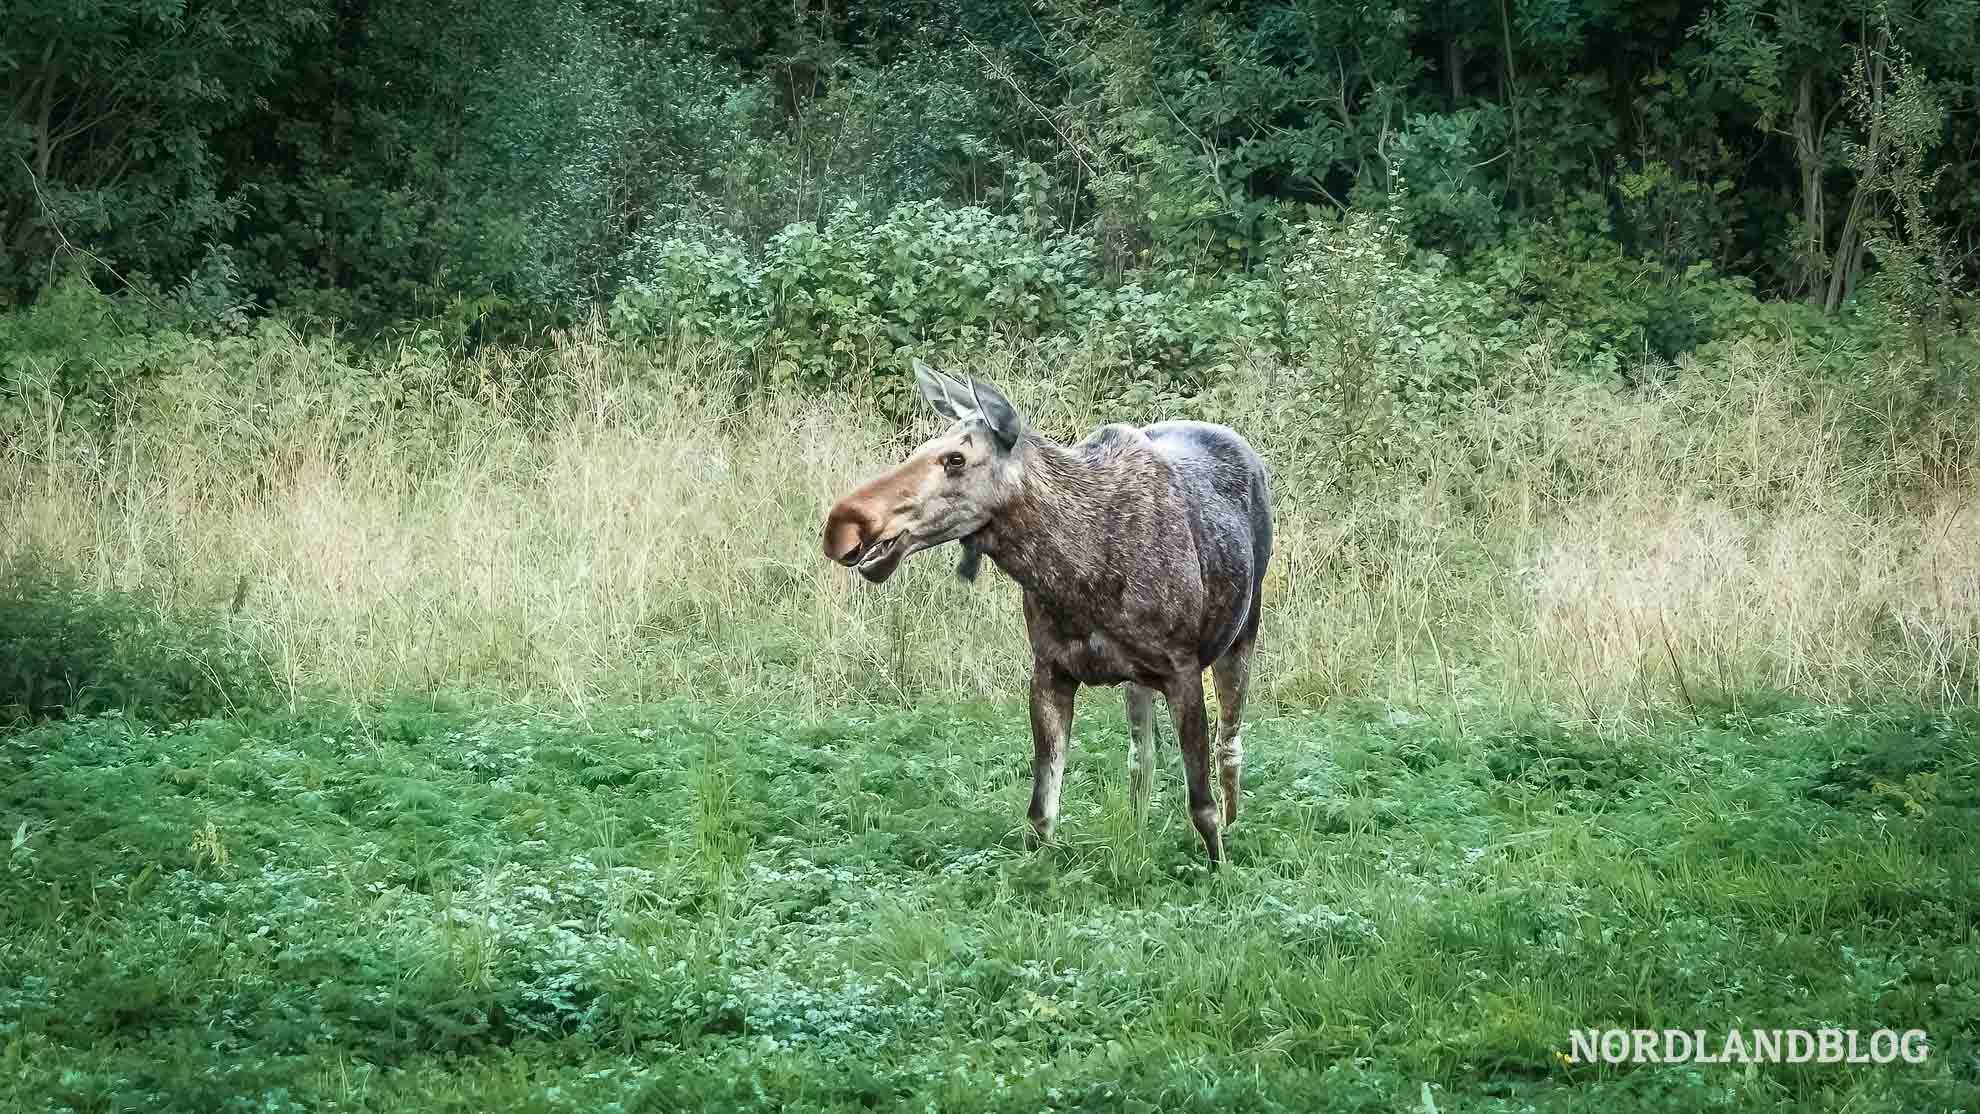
(411, 908)
(70, 648)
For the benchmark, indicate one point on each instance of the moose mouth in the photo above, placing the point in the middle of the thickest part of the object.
(882, 558)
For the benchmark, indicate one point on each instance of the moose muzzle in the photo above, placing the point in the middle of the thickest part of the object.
(852, 539)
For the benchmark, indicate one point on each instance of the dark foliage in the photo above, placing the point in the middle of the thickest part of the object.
(67, 650)
(1630, 169)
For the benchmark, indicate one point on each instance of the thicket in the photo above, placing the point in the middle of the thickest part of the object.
(68, 649)
(822, 184)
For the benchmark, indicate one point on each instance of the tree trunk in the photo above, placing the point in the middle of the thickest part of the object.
(1844, 261)
(1808, 153)
(1842, 271)
(1513, 198)
(1454, 70)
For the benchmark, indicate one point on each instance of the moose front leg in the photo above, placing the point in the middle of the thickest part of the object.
(1185, 697)
(1051, 724)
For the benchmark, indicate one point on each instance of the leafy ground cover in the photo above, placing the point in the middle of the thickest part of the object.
(415, 908)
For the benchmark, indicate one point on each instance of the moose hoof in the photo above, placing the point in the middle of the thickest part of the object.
(1041, 834)
(1213, 838)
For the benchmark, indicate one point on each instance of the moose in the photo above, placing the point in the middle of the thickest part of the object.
(1141, 552)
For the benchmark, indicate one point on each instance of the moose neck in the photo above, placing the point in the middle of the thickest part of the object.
(1043, 537)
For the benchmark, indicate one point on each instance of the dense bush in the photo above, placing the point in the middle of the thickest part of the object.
(838, 297)
(1387, 346)
(1376, 338)
(68, 649)
(502, 171)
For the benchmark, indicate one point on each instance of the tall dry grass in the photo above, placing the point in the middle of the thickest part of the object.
(632, 531)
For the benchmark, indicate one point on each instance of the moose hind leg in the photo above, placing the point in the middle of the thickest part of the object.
(1141, 745)
(1232, 676)
(1185, 696)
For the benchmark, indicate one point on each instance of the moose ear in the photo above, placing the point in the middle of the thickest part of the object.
(948, 397)
(997, 410)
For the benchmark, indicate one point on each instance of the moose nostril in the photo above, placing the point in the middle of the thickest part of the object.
(845, 538)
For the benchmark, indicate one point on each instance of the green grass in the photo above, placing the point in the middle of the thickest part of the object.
(419, 909)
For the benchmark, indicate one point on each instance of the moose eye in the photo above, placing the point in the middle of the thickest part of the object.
(953, 463)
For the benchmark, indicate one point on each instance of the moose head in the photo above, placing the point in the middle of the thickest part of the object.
(946, 490)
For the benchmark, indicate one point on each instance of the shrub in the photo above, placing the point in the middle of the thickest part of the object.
(830, 301)
(1384, 346)
(66, 650)
(693, 290)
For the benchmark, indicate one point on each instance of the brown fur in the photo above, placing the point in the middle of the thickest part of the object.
(1142, 555)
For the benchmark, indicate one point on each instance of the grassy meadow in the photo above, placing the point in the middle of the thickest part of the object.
(419, 742)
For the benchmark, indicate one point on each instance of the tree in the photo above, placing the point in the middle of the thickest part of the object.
(109, 108)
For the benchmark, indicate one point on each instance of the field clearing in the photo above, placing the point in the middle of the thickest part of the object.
(428, 747)
(420, 908)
